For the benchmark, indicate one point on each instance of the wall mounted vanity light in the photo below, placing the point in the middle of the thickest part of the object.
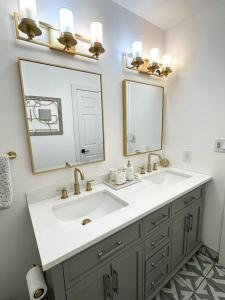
(64, 39)
(96, 39)
(137, 54)
(67, 36)
(29, 20)
(150, 66)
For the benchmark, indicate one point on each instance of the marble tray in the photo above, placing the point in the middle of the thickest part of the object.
(121, 186)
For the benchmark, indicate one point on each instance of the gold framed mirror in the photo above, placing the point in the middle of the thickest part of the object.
(142, 117)
(64, 115)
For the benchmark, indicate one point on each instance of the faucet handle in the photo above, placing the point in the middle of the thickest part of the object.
(68, 165)
(88, 185)
(64, 192)
(142, 170)
(164, 162)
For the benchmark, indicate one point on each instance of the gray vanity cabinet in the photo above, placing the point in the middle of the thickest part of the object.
(118, 280)
(135, 262)
(186, 225)
(194, 226)
(96, 286)
(127, 275)
(179, 239)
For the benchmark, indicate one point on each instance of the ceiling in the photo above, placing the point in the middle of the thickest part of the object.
(162, 13)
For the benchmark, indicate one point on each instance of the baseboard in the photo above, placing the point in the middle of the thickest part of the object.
(209, 253)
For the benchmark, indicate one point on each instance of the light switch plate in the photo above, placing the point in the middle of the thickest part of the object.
(220, 145)
(187, 156)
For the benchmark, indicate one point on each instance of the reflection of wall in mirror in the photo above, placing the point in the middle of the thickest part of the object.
(144, 117)
(39, 79)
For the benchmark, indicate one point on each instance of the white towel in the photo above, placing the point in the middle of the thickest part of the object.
(6, 191)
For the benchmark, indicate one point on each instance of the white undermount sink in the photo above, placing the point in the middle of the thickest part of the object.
(88, 208)
(167, 178)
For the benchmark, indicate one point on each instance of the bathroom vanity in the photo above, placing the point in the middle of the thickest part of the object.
(131, 248)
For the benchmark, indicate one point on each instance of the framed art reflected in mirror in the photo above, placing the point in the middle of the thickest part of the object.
(44, 115)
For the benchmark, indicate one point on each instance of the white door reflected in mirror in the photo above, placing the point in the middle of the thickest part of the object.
(143, 104)
(64, 115)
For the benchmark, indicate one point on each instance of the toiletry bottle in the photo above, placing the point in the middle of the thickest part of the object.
(121, 176)
(130, 171)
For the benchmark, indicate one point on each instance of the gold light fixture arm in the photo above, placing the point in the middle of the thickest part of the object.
(56, 45)
(156, 71)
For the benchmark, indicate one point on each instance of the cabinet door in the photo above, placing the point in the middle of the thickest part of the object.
(194, 218)
(179, 238)
(95, 286)
(127, 275)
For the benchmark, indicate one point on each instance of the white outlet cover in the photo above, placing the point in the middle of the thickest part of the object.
(187, 156)
(220, 145)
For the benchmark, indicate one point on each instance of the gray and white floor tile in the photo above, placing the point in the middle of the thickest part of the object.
(209, 253)
(161, 296)
(199, 279)
(217, 276)
(201, 263)
(177, 289)
(194, 272)
(208, 291)
(190, 277)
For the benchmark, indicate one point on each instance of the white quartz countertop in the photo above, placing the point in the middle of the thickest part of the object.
(58, 240)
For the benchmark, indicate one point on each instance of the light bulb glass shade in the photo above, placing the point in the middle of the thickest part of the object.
(28, 9)
(167, 61)
(66, 20)
(154, 55)
(137, 49)
(96, 33)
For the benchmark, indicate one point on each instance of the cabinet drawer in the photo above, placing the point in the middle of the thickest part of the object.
(155, 219)
(159, 239)
(96, 254)
(153, 281)
(158, 259)
(186, 200)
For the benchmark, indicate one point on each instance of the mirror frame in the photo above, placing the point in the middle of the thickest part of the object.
(125, 133)
(20, 60)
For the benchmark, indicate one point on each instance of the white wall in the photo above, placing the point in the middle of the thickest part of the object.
(195, 101)
(17, 244)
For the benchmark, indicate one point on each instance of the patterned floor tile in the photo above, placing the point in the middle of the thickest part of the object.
(209, 253)
(201, 263)
(161, 296)
(208, 291)
(195, 270)
(190, 277)
(176, 289)
(217, 276)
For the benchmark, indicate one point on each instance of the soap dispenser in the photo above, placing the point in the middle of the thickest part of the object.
(130, 171)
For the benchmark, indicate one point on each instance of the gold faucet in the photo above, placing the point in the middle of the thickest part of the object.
(76, 184)
(164, 162)
(149, 168)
